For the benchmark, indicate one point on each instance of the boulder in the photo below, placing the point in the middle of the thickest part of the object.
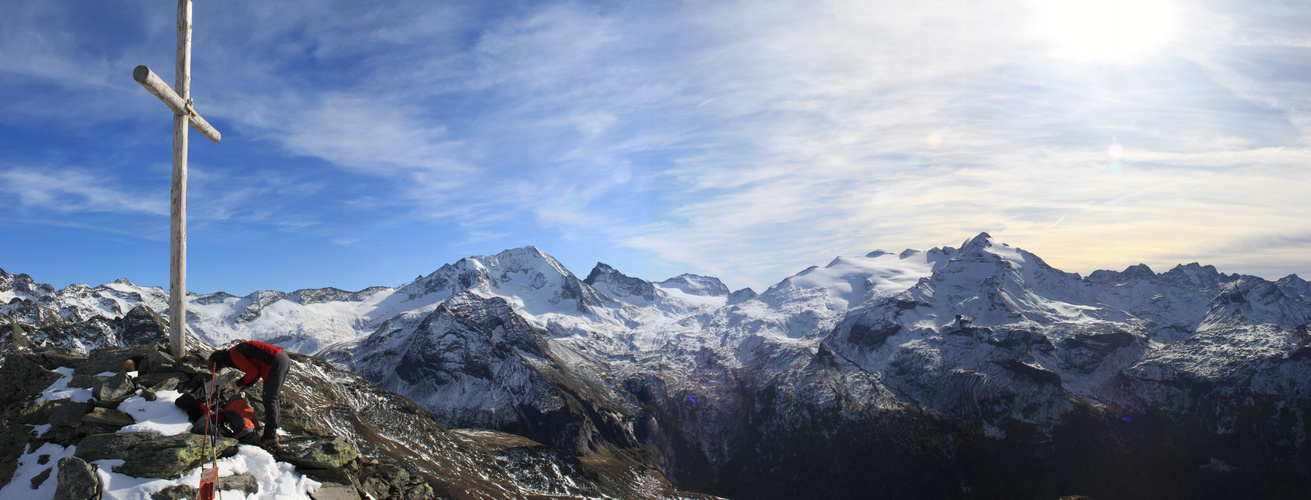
(243, 482)
(192, 365)
(158, 362)
(38, 412)
(13, 440)
(391, 480)
(161, 381)
(146, 454)
(82, 381)
(335, 491)
(334, 484)
(7, 470)
(77, 480)
(67, 413)
(41, 478)
(25, 374)
(316, 452)
(176, 492)
(108, 416)
(114, 389)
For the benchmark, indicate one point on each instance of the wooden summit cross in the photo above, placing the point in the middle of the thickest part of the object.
(183, 114)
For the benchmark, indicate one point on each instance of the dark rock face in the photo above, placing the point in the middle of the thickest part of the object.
(321, 295)
(141, 326)
(77, 480)
(258, 301)
(621, 285)
(470, 341)
(872, 337)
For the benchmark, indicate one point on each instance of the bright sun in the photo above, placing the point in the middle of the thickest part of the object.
(1120, 31)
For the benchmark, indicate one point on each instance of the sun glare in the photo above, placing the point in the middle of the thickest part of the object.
(1120, 31)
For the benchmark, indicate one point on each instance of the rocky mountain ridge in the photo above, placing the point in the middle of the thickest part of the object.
(73, 424)
(932, 364)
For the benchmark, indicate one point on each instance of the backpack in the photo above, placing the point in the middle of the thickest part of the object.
(194, 407)
(238, 421)
(234, 418)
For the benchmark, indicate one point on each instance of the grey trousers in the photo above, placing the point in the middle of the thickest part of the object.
(273, 394)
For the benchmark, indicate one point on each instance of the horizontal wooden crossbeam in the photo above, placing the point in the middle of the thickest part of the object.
(155, 85)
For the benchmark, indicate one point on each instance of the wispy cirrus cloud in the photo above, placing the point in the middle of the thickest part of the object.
(71, 190)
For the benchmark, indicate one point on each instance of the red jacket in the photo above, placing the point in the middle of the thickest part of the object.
(254, 358)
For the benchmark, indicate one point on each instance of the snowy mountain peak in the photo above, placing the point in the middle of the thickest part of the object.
(1196, 275)
(979, 241)
(850, 281)
(607, 280)
(693, 284)
(741, 296)
(1294, 286)
(985, 247)
(1253, 300)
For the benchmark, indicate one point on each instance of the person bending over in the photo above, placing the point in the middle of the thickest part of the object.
(258, 360)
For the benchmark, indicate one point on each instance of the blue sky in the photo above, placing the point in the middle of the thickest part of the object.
(366, 143)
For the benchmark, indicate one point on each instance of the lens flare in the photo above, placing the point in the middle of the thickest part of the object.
(935, 139)
(1115, 150)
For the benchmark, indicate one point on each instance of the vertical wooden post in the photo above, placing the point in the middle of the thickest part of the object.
(178, 227)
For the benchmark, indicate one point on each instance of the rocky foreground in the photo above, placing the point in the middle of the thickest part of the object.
(351, 438)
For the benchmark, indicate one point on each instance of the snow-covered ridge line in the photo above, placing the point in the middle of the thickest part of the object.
(552, 297)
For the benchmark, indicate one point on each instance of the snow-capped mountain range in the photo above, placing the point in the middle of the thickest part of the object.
(907, 353)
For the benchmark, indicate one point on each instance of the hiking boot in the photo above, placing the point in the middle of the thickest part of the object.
(269, 443)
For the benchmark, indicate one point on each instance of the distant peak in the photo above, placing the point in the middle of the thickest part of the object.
(877, 253)
(617, 284)
(977, 244)
(983, 240)
(600, 272)
(1139, 271)
(602, 267)
(741, 296)
(529, 251)
(1292, 278)
(695, 284)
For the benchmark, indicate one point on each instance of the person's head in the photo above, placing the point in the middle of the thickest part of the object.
(220, 359)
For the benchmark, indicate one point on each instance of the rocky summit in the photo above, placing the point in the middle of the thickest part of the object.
(970, 371)
(349, 438)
